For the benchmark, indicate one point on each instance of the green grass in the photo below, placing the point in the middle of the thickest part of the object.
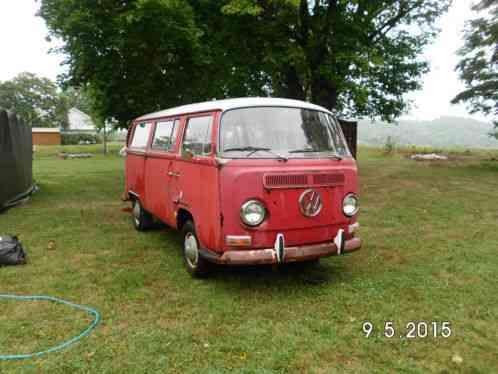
(430, 254)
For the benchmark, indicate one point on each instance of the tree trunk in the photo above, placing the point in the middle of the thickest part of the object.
(105, 138)
(324, 92)
(292, 87)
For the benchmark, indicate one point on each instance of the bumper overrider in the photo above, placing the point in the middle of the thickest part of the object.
(282, 254)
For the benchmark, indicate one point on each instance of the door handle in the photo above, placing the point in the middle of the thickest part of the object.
(173, 174)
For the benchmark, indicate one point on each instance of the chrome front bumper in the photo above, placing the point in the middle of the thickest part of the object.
(289, 254)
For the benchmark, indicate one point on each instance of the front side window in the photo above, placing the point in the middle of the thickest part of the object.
(269, 132)
(141, 135)
(165, 135)
(197, 138)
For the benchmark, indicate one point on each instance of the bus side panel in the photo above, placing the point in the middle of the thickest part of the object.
(196, 190)
(209, 208)
(158, 184)
(135, 173)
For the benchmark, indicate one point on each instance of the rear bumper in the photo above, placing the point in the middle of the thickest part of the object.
(290, 254)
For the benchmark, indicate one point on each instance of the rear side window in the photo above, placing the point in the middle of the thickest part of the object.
(198, 135)
(165, 135)
(141, 135)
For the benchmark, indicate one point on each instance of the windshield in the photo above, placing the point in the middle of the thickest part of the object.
(280, 132)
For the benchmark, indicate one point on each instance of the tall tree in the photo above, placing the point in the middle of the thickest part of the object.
(359, 57)
(478, 66)
(36, 100)
(78, 98)
(356, 56)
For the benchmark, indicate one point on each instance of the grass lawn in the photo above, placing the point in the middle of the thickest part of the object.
(431, 254)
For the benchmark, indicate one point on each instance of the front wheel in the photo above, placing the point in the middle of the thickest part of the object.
(142, 220)
(195, 264)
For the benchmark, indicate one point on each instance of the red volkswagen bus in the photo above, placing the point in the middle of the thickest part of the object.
(247, 181)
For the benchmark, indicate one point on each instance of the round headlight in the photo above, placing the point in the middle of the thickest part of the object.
(252, 213)
(350, 205)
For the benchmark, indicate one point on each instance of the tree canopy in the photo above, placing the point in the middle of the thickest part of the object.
(36, 100)
(478, 66)
(358, 57)
(41, 102)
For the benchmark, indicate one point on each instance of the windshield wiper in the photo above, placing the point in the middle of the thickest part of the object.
(311, 150)
(246, 149)
(253, 150)
(335, 156)
(304, 150)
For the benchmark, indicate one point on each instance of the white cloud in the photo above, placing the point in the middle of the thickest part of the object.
(441, 84)
(22, 42)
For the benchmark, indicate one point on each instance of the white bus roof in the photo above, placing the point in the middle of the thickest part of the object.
(228, 104)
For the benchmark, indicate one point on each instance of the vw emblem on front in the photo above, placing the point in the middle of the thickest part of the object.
(310, 203)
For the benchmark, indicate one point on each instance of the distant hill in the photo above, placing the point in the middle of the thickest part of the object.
(440, 132)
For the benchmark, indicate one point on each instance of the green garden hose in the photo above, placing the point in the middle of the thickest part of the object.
(62, 345)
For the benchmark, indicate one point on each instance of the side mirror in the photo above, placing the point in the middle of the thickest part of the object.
(187, 154)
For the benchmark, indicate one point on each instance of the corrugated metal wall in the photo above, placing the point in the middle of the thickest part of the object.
(16, 159)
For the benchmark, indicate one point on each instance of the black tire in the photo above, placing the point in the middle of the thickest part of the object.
(142, 220)
(195, 264)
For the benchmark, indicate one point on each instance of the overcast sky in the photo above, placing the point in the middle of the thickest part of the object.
(24, 48)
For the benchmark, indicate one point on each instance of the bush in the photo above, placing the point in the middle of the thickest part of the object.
(75, 139)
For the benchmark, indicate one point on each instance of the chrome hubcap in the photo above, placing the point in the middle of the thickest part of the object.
(136, 213)
(191, 250)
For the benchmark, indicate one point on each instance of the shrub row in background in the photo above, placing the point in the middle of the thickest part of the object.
(69, 138)
(75, 139)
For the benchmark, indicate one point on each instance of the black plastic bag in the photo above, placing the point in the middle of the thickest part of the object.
(11, 251)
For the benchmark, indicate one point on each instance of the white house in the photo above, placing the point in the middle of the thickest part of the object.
(80, 122)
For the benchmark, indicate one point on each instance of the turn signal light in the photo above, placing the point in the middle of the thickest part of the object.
(238, 241)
